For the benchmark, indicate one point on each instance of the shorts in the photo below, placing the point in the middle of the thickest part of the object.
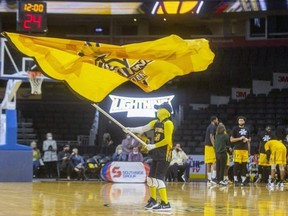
(158, 169)
(262, 161)
(278, 157)
(240, 156)
(228, 160)
(209, 155)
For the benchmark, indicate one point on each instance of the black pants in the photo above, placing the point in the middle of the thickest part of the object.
(104, 150)
(265, 172)
(66, 167)
(221, 160)
(158, 169)
(240, 169)
(80, 173)
(51, 169)
(173, 170)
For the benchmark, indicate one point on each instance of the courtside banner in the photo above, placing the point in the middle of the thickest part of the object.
(197, 167)
(125, 172)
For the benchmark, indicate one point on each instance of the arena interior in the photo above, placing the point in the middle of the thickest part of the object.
(248, 77)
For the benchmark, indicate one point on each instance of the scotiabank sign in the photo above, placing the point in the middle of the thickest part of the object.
(125, 172)
(240, 93)
(280, 80)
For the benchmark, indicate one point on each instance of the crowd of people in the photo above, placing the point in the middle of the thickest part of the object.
(128, 150)
(219, 144)
(66, 161)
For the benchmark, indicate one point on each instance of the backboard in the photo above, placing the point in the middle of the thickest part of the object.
(13, 64)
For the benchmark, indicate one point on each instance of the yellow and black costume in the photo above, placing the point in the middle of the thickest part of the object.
(161, 155)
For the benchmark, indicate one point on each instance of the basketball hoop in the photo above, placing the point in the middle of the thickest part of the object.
(35, 78)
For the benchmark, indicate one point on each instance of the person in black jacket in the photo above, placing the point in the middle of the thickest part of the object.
(64, 162)
(240, 139)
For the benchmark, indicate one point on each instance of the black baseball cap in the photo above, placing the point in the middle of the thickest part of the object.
(164, 105)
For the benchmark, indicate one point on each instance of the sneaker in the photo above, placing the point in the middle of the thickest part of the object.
(162, 207)
(183, 177)
(228, 181)
(208, 182)
(223, 183)
(244, 183)
(279, 184)
(258, 180)
(213, 182)
(271, 184)
(151, 204)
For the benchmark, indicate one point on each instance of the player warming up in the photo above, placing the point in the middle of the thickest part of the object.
(276, 155)
(160, 153)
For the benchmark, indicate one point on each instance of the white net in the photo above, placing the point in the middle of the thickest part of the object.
(35, 78)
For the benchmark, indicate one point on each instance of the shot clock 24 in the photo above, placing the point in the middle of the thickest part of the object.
(32, 17)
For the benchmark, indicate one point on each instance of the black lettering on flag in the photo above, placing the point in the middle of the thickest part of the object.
(135, 73)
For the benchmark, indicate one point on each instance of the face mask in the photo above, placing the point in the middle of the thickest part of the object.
(135, 152)
(128, 136)
(49, 138)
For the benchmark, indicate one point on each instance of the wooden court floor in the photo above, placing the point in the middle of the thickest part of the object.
(65, 198)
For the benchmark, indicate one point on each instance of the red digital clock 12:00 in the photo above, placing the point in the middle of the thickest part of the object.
(32, 17)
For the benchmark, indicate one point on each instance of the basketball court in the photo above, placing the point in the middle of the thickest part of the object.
(102, 198)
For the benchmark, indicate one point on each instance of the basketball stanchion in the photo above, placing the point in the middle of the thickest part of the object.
(35, 78)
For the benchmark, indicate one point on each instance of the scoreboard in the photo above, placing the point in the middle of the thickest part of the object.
(32, 16)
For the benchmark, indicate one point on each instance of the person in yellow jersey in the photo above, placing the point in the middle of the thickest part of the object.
(276, 153)
(263, 164)
(209, 151)
(161, 155)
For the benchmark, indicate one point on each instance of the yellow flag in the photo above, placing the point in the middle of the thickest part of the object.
(93, 70)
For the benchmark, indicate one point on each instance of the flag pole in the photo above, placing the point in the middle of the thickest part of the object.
(119, 124)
